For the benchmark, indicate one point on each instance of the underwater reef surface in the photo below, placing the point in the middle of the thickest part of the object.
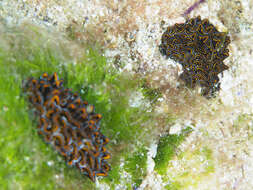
(216, 154)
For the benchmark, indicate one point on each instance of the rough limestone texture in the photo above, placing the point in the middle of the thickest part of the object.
(218, 154)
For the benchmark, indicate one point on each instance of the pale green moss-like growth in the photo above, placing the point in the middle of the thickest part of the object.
(207, 153)
(197, 165)
(136, 165)
(151, 94)
(174, 186)
(166, 150)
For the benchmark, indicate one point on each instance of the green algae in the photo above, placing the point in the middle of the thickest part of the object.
(150, 93)
(201, 159)
(208, 157)
(243, 121)
(136, 165)
(26, 158)
(166, 150)
(29, 163)
(173, 186)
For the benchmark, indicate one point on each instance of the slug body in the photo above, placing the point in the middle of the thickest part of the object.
(69, 124)
(201, 49)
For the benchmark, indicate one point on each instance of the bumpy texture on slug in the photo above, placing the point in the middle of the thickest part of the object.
(201, 49)
(69, 124)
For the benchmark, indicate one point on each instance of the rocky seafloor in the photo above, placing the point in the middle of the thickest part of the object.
(182, 141)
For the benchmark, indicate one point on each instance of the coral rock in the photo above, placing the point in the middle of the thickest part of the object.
(201, 49)
(70, 125)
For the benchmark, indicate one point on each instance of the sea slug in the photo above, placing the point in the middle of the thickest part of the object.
(69, 124)
(201, 49)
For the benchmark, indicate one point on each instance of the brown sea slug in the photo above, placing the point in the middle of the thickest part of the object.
(201, 49)
(69, 124)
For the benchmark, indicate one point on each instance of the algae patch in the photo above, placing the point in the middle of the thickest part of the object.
(25, 157)
(167, 148)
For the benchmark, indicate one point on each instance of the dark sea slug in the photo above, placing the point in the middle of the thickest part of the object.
(201, 49)
(69, 124)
